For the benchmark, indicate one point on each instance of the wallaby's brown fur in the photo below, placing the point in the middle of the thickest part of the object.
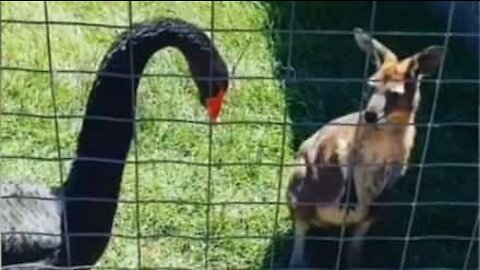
(368, 149)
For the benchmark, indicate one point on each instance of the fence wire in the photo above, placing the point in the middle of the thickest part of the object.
(475, 231)
(291, 77)
(1, 80)
(57, 129)
(427, 140)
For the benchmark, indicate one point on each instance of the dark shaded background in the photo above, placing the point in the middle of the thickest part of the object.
(337, 56)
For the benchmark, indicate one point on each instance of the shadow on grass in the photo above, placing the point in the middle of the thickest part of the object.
(336, 56)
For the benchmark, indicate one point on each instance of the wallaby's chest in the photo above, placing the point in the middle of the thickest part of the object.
(375, 148)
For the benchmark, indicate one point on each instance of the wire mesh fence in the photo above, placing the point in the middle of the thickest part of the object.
(226, 208)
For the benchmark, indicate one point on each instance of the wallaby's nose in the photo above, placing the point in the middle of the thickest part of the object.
(371, 117)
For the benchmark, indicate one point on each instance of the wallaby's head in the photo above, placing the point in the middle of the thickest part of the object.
(396, 82)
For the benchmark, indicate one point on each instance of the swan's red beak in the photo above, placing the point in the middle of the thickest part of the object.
(214, 106)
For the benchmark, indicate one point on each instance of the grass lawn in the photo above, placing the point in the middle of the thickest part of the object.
(172, 233)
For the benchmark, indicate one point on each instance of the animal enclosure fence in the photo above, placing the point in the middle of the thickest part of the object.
(434, 218)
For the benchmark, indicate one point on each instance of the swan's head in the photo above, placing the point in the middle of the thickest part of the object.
(213, 100)
(212, 84)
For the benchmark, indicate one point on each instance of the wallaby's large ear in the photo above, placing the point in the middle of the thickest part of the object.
(379, 51)
(430, 59)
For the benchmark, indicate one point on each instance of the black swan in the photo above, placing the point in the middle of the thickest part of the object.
(102, 149)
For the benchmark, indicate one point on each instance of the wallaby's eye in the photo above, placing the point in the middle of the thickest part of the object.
(393, 97)
(386, 78)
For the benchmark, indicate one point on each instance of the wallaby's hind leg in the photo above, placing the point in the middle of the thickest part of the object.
(297, 258)
(354, 250)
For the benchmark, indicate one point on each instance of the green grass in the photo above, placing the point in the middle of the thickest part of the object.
(81, 48)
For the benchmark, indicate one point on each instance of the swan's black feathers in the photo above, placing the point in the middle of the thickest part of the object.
(58, 224)
(169, 26)
(207, 66)
(31, 215)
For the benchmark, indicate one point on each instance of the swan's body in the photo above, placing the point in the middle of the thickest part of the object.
(33, 230)
(29, 215)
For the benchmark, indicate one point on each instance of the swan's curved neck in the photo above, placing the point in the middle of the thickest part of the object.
(107, 130)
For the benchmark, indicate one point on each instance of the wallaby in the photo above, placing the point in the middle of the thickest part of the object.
(367, 150)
